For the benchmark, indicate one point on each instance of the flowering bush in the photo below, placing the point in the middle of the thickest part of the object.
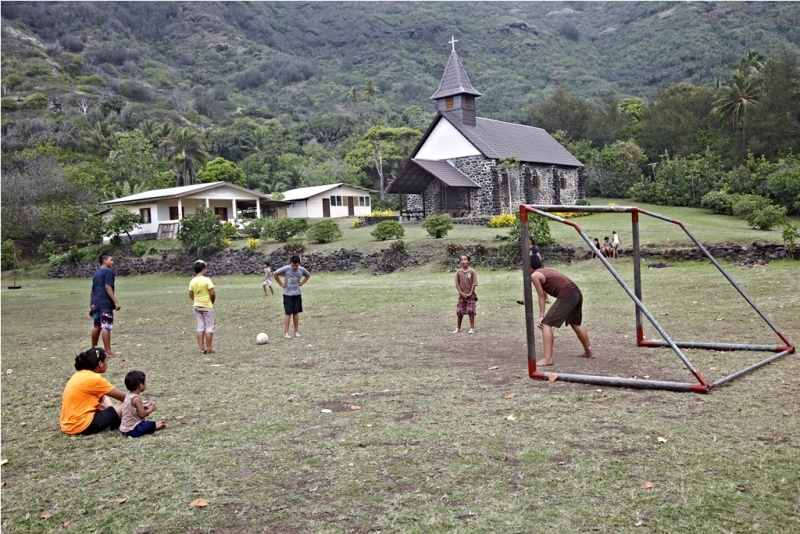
(505, 220)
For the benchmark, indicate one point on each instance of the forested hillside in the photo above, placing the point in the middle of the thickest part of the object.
(278, 95)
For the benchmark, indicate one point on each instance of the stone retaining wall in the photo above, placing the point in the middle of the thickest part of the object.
(244, 261)
(371, 221)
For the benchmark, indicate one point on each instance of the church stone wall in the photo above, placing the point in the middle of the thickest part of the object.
(502, 190)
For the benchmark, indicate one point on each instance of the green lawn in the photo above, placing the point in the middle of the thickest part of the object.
(432, 446)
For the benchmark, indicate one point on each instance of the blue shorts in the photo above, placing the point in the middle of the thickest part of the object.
(145, 427)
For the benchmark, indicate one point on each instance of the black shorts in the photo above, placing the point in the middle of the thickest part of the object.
(107, 419)
(292, 304)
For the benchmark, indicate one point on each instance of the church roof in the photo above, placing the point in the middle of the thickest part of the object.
(455, 80)
(498, 139)
(418, 173)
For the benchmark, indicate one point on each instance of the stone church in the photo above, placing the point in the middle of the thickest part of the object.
(465, 165)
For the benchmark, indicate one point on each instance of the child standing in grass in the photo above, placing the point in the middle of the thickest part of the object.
(134, 411)
(201, 292)
(267, 279)
(295, 276)
(466, 282)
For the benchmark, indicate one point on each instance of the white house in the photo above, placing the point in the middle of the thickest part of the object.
(162, 209)
(332, 200)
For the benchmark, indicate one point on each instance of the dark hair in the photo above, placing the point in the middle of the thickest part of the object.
(103, 257)
(199, 265)
(134, 379)
(530, 238)
(294, 259)
(605, 238)
(266, 263)
(87, 361)
(467, 255)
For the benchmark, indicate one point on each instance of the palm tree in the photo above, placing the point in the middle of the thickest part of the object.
(256, 142)
(292, 177)
(185, 147)
(100, 138)
(352, 97)
(739, 95)
(752, 64)
(370, 92)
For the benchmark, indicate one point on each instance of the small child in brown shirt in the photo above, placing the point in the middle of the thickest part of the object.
(466, 282)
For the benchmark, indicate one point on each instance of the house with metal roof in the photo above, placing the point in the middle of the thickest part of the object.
(162, 209)
(466, 165)
(330, 200)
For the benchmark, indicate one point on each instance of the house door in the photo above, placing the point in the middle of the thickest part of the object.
(351, 207)
(326, 207)
(222, 213)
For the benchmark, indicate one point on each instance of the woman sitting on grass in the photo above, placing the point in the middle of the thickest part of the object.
(85, 406)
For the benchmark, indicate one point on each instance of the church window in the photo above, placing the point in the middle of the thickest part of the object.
(537, 181)
(449, 103)
(563, 183)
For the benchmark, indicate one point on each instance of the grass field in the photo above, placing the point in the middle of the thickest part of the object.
(423, 430)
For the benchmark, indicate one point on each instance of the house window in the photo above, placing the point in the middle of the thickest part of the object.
(336, 201)
(363, 201)
(468, 102)
(144, 213)
(449, 103)
(173, 213)
(563, 183)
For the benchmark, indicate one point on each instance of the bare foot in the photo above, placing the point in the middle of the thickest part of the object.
(161, 425)
(586, 355)
(113, 354)
(210, 351)
(543, 363)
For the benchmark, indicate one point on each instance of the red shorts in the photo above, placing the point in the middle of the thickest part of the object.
(465, 307)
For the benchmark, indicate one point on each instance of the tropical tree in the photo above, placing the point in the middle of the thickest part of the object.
(381, 152)
(352, 97)
(734, 99)
(100, 138)
(370, 92)
(186, 149)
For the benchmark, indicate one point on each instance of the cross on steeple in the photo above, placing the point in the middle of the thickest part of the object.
(453, 42)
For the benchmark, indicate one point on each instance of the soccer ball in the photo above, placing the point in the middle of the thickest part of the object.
(262, 338)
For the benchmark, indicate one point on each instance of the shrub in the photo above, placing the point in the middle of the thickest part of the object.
(437, 226)
(286, 228)
(94, 79)
(229, 230)
(356, 223)
(73, 255)
(255, 227)
(767, 217)
(790, 238)
(252, 243)
(35, 101)
(47, 248)
(388, 230)
(744, 205)
(453, 249)
(201, 232)
(398, 247)
(719, 202)
(582, 202)
(505, 220)
(378, 213)
(139, 248)
(9, 104)
(324, 232)
(7, 254)
(538, 228)
(122, 221)
(293, 246)
(13, 80)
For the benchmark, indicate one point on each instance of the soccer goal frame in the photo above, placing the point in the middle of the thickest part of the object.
(702, 386)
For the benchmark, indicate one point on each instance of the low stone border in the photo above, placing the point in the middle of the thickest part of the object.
(371, 221)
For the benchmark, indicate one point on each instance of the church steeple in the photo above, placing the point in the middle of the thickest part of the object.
(456, 94)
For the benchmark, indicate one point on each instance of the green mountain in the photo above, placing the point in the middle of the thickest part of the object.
(298, 59)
